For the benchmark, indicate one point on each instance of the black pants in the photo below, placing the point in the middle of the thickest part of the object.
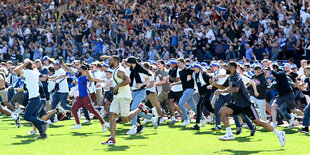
(204, 101)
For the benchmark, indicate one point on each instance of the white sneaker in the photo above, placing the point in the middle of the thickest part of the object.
(210, 120)
(274, 125)
(227, 137)
(282, 138)
(32, 133)
(18, 111)
(155, 122)
(104, 127)
(13, 116)
(186, 122)
(132, 131)
(86, 121)
(162, 120)
(146, 121)
(204, 122)
(77, 126)
(50, 122)
(191, 114)
(291, 124)
(55, 118)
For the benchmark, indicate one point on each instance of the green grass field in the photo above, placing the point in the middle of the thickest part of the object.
(164, 140)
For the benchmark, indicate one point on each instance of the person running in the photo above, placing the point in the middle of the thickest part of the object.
(285, 95)
(120, 105)
(32, 84)
(139, 78)
(83, 100)
(242, 104)
(202, 81)
(187, 82)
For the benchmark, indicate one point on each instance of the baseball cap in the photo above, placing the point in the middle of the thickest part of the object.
(214, 64)
(197, 65)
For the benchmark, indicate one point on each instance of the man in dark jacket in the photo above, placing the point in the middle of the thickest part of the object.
(261, 85)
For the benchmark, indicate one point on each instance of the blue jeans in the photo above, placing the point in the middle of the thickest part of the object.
(283, 111)
(218, 105)
(137, 98)
(188, 97)
(86, 113)
(32, 112)
(62, 98)
(42, 110)
(305, 120)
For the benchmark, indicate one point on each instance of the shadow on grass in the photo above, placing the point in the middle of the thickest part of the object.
(24, 141)
(81, 134)
(55, 126)
(117, 148)
(136, 137)
(208, 132)
(246, 139)
(235, 152)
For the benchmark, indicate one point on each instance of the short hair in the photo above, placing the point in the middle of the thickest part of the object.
(181, 60)
(37, 60)
(161, 61)
(304, 61)
(146, 65)
(51, 69)
(233, 64)
(116, 58)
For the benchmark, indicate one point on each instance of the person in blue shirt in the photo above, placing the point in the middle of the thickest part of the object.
(83, 100)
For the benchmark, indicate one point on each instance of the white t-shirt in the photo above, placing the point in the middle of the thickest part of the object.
(177, 88)
(32, 82)
(245, 79)
(221, 81)
(63, 85)
(152, 89)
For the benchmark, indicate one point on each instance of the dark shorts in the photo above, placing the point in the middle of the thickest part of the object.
(288, 99)
(175, 95)
(108, 95)
(249, 111)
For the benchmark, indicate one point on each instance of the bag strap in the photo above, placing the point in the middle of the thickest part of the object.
(61, 80)
(86, 87)
(115, 71)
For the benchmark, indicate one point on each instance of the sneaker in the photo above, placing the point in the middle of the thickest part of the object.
(254, 130)
(50, 122)
(104, 127)
(238, 130)
(111, 141)
(44, 127)
(216, 128)
(291, 124)
(42, 136)
(195, 127)
(17, 122)
(162, 120)
(172, 122)
(281, 137)
(155, 122)
(210, 120)
(62, 116)
(140, 129)
(18, 111)
(142, 108)
(14, 116)
(227, 137)
(245, 126)
(186, 122)
(86, 121)
(132, 131)
(204, 122)
(32, 132)
(304, 130)
(76, 126)
(55, 118)
(146, 121)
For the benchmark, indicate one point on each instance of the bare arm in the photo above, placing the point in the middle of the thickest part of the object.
(67, 69)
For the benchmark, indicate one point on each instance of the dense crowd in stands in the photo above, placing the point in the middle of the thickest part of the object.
(152, 30)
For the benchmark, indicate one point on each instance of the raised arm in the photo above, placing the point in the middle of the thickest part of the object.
(19, 69)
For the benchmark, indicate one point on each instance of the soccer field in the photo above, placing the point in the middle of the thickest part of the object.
(164, 140)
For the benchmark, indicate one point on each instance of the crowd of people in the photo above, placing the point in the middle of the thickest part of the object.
(125, 60)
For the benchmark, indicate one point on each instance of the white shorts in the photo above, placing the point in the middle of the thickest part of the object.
(120, 106)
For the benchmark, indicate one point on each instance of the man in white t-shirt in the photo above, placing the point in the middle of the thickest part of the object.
(32, 84)
(61, 91)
